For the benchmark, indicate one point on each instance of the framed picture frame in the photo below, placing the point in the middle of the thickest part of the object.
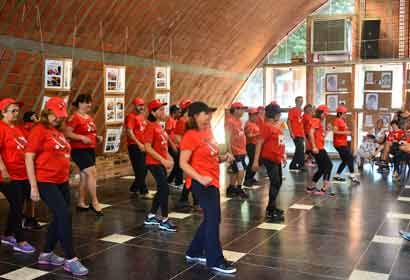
(369, 121)
(163, 77)
(386, 80)
(332, 101)
(58, 74)
(112, 139)
(371, 101)
(114, 79)
(378, 80)
(114, 109)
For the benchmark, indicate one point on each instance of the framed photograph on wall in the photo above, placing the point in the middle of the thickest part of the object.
(386, 80)
(57, 74)
(110, 104)
(46, 98)
(119, 109)
(164, 98)
(331, 82)
(332, 101)
(114, 79)
(371, 101)
(112, 140)
(163, 77)
(368, 121)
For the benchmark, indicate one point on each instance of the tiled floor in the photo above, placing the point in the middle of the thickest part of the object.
(351, 236)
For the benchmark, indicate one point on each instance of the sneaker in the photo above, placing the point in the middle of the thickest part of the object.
(225, 267)
(355, 180)
(273, 215)
(280, 211)
(180, 187)
(339, 179)
(50, 258)
(9, 240)
(242, 194)
(248, 184)
(319, 192)
(167, 226)
(200, 259)
(231, 191)
(30, 224)
(25, 248)
(75, 267)
(310, 190)
(405, 235)
(152, 221)
(133, 190)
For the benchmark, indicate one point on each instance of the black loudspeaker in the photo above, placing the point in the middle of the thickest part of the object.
(370, 39)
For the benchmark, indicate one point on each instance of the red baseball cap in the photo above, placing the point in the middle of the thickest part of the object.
(238, 105)
(323, 108)
(155, 104)
(341, 109)
(185, 103)
(138, 101)
(8, 101)
(58, 106)
(253, 110)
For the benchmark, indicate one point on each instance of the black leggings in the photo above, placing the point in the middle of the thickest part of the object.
(347, 159)
(16, 192)
(275, 179)
(176, 173)
(137, 158)
(250, 150)
(161, 197)
(324, 166)
(57, 199)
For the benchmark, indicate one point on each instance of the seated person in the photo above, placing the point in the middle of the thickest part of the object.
(391, 145)
(368, 150)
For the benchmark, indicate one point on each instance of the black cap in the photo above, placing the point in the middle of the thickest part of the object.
(272, 109)
(198, 107)
(27, 116)
(174, 108)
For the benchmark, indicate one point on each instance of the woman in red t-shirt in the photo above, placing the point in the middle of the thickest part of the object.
(12, 166)
(159, 163)
(317, 140)
(251, 132)
(340, 133)
(270, 148)
(200, 161)
(48, 168)
(176, 177)
(82, 132)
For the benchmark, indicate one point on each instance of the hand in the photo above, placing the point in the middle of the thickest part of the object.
(229, 158)
(315, 151)
(142, 148)
(34, 194)
(255, 167)
(85, 140)
(100, 139)
(205, 180)
(6, 176)
(168, 164)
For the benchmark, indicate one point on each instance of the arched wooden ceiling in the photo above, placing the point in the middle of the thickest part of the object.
(215, 43)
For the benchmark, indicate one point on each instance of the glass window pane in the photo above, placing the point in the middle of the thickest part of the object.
(251, 93)
(288, 83)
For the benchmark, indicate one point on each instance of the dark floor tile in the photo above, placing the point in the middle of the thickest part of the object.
(249, 241)
(391, 227)
(401, 267)
(379, 258)
(197, 272)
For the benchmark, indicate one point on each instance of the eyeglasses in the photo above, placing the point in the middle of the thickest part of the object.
(13, 111)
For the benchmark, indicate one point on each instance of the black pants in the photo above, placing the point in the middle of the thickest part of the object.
(206, 239)
(161, 197)
(274, 171)
(176, 173)
(250, 151)
(298, 160)
(16, 192)
(137, 158)
(57, 199)
(324, 166)
(347, 159)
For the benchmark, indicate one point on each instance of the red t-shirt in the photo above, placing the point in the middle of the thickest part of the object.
(395, 136)
(237, 134)
(319, 133)
(12, 145)
(296, 122)
(204, 157)
(52, 161)
(26, 128)
(170, 128)
(138, 124)
(340, 140)
(252, 131)
(158, 138)
(260, 121)
(307, 125)
(83, 126)
(273, 147)
(180, 126)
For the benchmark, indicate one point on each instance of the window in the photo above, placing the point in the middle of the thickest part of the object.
(251, 94)
(57, 74)
(335, 7)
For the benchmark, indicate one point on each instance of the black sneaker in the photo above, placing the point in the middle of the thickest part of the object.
(279, 211)
(231, 191)
(167, 226)
(199, 259)
(225, 267)
(339, 179)
(31, 223)
(242, 194)
(273, 215)
(355, 180)
(248, 184)
(152, 221)
(133, 190)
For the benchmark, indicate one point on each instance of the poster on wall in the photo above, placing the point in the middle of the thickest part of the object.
(386, 80)
(332, 101)
(368, 121)
(372, 101)
(119, 109)
(46, 98)
(163, 77)
(378, 80)
(57, 74)
(331, 82)
(338, 82)
(112, 140)
(114, 109)
(115, 79)
(164, 98)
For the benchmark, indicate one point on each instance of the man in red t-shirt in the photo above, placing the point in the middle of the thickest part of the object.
(252, 131)
(295, 125)
(236, 141)
(135, 126)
